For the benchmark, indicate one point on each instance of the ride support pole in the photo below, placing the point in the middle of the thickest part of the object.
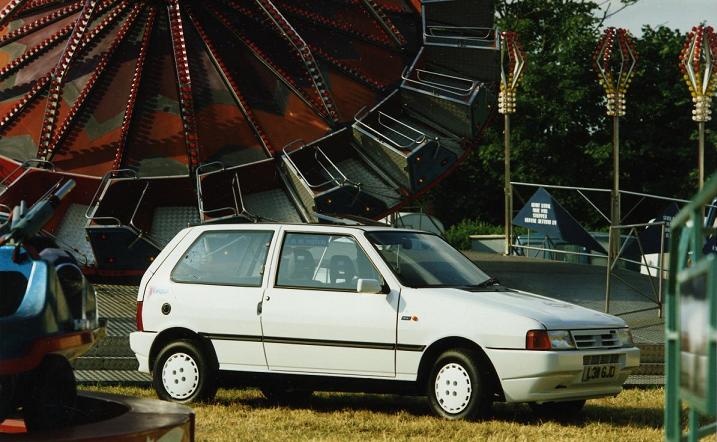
(615, 217)
(701, 130)
(508, 189)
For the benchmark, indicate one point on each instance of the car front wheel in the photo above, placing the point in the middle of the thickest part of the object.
(182, 373)
(456, 388)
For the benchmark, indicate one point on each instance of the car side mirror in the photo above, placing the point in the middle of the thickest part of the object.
(369, 286)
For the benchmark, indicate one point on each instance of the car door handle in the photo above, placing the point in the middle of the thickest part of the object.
(258, 308)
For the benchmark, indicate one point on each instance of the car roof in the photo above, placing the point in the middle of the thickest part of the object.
(312, 227)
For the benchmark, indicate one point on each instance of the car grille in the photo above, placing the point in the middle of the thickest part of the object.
(585, 339)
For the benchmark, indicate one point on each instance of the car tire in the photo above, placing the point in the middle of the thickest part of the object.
(182, 373)
(49, 395)
(457, 388)
(286, 396)
(558, 410)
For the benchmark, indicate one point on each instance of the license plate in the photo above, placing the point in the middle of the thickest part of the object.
(595, 373)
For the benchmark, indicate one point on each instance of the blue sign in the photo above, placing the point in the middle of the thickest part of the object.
(545, 215)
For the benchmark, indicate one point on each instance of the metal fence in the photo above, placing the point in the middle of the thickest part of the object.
(629, 234)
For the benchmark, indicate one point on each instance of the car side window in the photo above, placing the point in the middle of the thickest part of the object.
(324, 262)
(225, 258)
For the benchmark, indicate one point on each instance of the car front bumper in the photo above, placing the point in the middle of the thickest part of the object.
(141, 344)
(546, 376)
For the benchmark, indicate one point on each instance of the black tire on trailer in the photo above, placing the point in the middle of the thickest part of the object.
(457, 388)
(183, 373)
(49, 394)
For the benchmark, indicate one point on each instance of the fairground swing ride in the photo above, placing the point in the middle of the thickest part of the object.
(172, 112)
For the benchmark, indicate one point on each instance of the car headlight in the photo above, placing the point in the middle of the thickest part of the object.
(625, 337)
(549, 340)
(560, 340)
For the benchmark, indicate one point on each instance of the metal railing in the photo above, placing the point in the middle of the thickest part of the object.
(11, 177)
(463, 32)
(413, 135)
(462, 36)
(337, 177)
(97, 197)
(238, 210)
(136, 208)
(239, 201)
(549, 248)
(202, 171)
(633, 237)
(412, 141)
(435, 83)
(111, 221)
(581, 191)
(657, 291)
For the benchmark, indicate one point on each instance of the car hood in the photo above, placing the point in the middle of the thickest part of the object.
(552, 313)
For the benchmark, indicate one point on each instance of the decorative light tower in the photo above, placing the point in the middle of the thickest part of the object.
(512, 60)
(615, 69)
(698, 63)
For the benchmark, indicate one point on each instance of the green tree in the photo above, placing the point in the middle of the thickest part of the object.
(560, 133)
(659, 148)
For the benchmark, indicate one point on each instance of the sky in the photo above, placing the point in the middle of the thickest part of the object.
(680, 14)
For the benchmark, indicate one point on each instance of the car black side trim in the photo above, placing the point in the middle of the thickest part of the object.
(319, 342)
(409, 347)
(219, 337)
(330, 343)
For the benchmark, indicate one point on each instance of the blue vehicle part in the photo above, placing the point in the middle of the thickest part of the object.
(48, 316)
(43, 321)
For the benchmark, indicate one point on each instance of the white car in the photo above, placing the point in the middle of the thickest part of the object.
(297, 308)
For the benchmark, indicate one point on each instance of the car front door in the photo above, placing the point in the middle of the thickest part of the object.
(313, 318)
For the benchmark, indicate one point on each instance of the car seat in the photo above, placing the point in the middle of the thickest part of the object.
(342, 272)
(304, 266)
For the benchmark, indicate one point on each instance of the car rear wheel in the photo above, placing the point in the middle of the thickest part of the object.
(558, 410)
(182, 373)
(456, 388)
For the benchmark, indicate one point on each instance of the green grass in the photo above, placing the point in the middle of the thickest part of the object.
(634, 415)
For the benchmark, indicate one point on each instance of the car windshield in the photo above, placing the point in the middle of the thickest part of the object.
(426, 260)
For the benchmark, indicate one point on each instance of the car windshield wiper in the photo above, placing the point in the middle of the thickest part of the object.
(487, 283)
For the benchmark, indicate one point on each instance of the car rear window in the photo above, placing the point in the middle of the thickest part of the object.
(225, 258)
